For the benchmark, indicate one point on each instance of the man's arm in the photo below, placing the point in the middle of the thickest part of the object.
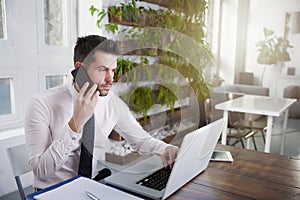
(138, 138)
(46, 155)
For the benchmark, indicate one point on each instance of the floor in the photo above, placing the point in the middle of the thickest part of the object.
(292, 144)
(292, 147)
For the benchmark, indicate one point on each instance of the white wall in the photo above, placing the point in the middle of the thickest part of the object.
(270, 14)
(262, 13)
(87, 22)
(21, 56)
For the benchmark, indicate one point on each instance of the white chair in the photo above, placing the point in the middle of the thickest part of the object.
(18, 158)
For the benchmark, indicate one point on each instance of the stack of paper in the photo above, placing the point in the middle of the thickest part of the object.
(76, 190)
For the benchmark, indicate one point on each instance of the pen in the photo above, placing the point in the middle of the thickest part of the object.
(92, 196)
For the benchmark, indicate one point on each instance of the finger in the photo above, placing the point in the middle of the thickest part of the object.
(96, 94)
(83, 89)
(171, 158)
(174, 153)
(95, 97)
(164, 160)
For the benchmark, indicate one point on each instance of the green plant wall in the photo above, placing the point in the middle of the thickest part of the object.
(184, 17)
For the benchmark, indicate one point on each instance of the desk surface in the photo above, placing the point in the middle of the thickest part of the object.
(261, 105)
(252, 175)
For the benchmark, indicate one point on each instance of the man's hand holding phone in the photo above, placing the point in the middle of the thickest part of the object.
(84, 107)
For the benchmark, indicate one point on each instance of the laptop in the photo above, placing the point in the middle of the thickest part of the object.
(193, 158)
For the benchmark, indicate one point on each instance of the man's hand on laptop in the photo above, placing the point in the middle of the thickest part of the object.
(169, 156)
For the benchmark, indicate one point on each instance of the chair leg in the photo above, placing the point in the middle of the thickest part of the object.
(263, 135)
(242, 143)
(254, 143)
(20, 188)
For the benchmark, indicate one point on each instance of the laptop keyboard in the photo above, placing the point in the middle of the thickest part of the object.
(157, 180)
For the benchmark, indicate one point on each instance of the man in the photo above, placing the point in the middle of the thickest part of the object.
(55, 119)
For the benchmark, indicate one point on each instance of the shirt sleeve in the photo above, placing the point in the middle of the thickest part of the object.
(133, 133)
(46, 155)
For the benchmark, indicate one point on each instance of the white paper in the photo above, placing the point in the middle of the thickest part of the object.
(75, 190)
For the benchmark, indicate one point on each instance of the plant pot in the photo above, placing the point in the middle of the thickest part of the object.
(119, 18)
(271, 73)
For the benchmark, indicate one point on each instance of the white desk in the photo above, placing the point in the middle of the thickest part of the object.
(262, 105)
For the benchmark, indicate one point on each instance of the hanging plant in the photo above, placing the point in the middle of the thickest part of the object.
(139, 100)
(123, 66)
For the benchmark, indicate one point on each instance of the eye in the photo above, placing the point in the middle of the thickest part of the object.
(102, 69)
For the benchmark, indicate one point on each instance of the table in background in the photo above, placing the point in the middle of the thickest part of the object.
(261, 105)
(252, 175)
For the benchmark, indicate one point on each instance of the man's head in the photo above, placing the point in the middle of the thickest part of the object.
(99, 57)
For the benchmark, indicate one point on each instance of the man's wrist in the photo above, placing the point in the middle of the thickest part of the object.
(73, 126)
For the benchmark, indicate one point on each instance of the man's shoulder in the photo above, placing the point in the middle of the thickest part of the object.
(54, 94)
(114, 97)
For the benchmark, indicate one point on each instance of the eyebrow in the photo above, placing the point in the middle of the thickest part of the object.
(99, 67)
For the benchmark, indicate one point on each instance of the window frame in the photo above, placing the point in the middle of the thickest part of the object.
(13, 120)
(8, 18)
(52, 71)
(51, 49)
(214, 27)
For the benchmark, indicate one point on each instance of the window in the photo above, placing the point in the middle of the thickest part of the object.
(53, 76)
(295, 22)
(5, 23)
(214, 23)
(55, 80)
(10, 99)
(7, 105)
(54, 27)
(3, 29)
(55, 22)
(51, 29)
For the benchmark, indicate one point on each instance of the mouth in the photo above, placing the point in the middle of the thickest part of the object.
(106, 87)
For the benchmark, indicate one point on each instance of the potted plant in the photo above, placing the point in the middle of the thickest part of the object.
(272, 50)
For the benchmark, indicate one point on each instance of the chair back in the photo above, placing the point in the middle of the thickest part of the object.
(293, 91)
(18, 157)
(246, 78)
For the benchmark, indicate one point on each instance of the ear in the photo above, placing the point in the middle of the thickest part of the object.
(78, 64)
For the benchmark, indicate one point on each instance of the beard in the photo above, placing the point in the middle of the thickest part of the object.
(104, 91)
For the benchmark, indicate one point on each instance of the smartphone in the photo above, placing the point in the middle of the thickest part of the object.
(80, 75)
(224, 156)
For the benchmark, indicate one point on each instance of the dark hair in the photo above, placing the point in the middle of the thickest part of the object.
(86, 47)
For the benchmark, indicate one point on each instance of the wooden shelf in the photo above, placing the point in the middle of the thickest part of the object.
(144, 19)
(163, 3)
(127, 20)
